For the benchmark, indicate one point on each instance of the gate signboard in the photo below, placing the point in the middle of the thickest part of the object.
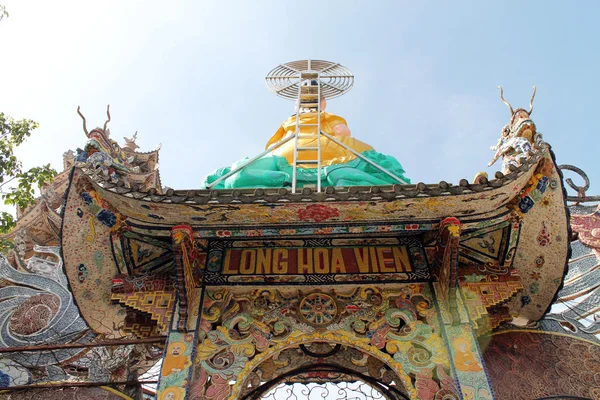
(317, 261)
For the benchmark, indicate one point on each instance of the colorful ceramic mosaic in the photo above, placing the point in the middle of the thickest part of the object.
(159, 304)
(532, 365)
(97, 393)
(87, 240)
(519, 139)
(39, 309)
(176, 367)
(103, 157)
(243, 330)
(391, 283)
(588, 228)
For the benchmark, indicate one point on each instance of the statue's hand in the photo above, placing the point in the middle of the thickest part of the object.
(341, 130)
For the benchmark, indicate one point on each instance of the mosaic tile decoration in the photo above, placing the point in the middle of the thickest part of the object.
(529, 365)
(392, 325)
(89, 263)
(103, 216)
(92, 393)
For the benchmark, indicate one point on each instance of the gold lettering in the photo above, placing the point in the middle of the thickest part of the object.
(305, 267)
(247, 263)
(401, 259)
(280, 264)
(373, 257)
(362, 259)
(227, 264)
(321, 268)
(337, 262)
(263, 261)
(386, 265)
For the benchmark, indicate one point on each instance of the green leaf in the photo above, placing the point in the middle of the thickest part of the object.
(3, 12)
(12, 134)
(24, 194)
(7, 222)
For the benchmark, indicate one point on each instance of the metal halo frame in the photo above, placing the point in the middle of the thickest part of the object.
(284, 79)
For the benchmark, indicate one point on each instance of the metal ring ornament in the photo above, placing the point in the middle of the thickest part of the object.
(581, 197)
(284, 79)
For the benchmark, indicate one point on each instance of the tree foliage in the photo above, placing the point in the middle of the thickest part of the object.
(23, 183)
(22, 192)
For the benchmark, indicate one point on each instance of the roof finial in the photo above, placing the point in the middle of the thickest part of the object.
(130, 143)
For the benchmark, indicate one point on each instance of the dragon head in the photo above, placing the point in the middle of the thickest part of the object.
(519, 137)
(520, 124)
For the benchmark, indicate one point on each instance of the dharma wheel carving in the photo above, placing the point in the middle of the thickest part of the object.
(318, 309)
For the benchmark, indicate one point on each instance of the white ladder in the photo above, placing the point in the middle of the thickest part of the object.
(309, 99)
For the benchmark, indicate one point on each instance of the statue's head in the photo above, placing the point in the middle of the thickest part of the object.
(176, 348)
(520, 124)
(171, 393)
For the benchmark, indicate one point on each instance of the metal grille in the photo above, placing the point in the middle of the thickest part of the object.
(285, 79)
(325, 381)
(331, 390)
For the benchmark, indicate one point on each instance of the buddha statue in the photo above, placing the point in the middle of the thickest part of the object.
(339, 165)
(331, 152)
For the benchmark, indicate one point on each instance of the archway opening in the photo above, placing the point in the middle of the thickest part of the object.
(330, 381)
(319, 370)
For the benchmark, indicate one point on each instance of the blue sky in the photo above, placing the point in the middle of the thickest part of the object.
(190, 75)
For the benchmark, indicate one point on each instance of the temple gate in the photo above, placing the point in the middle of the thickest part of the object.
(322, 308)
(314, 265)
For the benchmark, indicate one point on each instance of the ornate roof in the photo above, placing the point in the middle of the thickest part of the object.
(505, 241)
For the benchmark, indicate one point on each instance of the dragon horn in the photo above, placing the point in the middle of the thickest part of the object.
(504, 101)
(531, 101)
(83, 118)
(107, 113)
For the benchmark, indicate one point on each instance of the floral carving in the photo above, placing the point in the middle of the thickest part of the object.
(396, 328)
(317, 213)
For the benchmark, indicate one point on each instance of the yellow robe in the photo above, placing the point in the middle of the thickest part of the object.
(331, 152)
(171, 362)
(465, 361)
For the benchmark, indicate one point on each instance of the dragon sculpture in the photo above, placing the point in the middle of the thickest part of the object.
(104, 155)
(519, 138)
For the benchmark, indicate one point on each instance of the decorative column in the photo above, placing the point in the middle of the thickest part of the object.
(176, 371)
(458, 329)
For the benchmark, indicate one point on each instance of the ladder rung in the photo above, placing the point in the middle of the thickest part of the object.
(308, 148)
(309, 105)
(309, 90)
(308, 124)
(309, 95)
(306, 75)
(308, 161)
